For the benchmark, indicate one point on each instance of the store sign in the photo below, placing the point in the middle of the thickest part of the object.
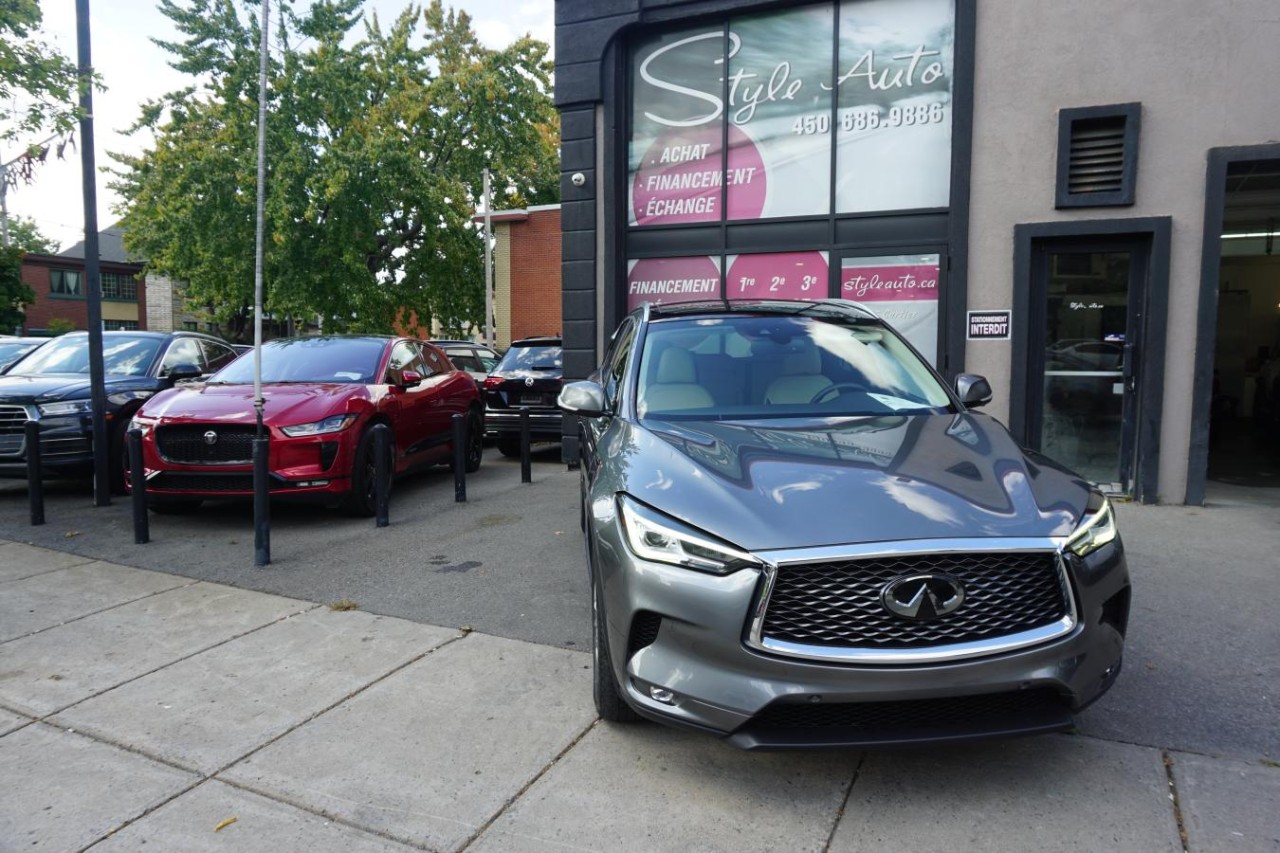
(902, 290)
(785, 275)
(767, 85)
(989, 325)
(665, 280)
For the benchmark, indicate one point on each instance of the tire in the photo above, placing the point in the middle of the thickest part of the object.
(361, 500)
(474, 452)
(118, 456)
(509, 446)
(604, 687)
(175, 506)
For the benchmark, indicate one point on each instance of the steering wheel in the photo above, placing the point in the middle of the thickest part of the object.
(834, 390)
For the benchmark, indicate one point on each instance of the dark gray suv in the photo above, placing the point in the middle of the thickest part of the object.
(799, 536)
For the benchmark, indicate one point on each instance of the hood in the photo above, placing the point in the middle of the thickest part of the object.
(285, 403)
(46, 388)
(789, 484)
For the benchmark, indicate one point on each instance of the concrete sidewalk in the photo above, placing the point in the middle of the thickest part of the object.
(144, 708)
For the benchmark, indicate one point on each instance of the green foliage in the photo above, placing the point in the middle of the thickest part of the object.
(60, 326)
(376, 148)
(38, 85)
(24, 234)
(13, 293)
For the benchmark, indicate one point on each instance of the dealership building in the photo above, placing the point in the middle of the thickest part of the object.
(1078, 201)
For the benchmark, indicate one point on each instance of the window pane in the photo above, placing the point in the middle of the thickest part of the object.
(659, 280)
(784, 275)
(902, 290)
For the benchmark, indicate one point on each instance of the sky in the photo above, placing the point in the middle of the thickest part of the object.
(135, 70)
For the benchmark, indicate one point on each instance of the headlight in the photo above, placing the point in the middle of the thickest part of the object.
(66, 407)
(144, 424)
(337, 423)
(123, 397)
(654, 536)
(1096, 530)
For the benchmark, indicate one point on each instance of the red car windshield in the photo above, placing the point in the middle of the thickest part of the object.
(353, 360)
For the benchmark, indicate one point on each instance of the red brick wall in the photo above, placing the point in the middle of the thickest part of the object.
(535, 275)
(35, 274)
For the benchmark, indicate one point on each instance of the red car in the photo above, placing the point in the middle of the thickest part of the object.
(323, 394)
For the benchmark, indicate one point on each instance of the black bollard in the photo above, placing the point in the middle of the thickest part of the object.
(138, 488)
(382, 474)
(459, 459)
(261, 502)
(35, 484)
(526, 476)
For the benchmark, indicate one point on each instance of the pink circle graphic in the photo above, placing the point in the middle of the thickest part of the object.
(785, 275)
(679, 180)
(659, 280)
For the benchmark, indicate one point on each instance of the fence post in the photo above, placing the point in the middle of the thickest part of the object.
(35, 479)
(381, 474)
(138, 488)
(526, 475)
(459, 459)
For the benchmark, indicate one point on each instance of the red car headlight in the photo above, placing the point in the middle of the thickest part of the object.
(336, 423)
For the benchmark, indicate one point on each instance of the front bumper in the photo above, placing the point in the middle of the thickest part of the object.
(66, 444)
(542, 424)
(696, 644)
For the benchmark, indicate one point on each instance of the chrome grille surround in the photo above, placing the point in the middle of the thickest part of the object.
(13, 428)
(1045, 547)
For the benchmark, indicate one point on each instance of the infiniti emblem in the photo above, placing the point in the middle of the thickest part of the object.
(920, 597)
(210, 437)
(528, 380)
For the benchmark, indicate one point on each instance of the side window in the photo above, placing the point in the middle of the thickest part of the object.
(619, 358)
(183, 351)
(217, 355)
(404, 356)
(433, 361)
(466, 361)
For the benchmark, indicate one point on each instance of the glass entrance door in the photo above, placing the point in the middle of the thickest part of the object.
(1090, 338)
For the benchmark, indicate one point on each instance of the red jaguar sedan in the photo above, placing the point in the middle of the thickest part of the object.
(323, 395)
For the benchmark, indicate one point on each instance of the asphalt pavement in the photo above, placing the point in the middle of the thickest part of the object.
(172, 696)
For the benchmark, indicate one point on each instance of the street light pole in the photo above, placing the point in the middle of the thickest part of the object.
(261, 489)
(488, 261)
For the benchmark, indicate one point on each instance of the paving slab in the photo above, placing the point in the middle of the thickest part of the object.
(646, 787)
(1228, 805)
(18, 560)
(74, 790)
(249, 824)
(433, 752)
(10, 721)
(45, 672)
(1057, 792)
(213, 708)
(54, 597)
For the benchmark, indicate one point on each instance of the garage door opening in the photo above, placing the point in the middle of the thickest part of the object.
(1244, 416)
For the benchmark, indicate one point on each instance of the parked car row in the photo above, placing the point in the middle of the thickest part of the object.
(193, 400)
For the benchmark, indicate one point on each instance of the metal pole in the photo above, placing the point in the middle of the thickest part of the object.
(261, 494)
(35, 485)
(526, 475)
(459, 459)
(381, 474)
(138, 488)
(488, 261)
(93, 282)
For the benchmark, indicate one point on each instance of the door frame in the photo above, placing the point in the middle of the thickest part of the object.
(1153, 233)
(1215, 199)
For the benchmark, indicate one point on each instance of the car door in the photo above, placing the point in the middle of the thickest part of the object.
(612, 377)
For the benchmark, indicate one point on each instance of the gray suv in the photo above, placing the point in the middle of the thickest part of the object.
(799, 536)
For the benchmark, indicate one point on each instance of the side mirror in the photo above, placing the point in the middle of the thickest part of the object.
(973, 390)
(584, 398)
(410, 378)
(184, 371)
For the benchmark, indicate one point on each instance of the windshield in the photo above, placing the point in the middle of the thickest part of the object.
(309, 360)
(12, 351)
(123, 355)
(767, 366)
(538, 357)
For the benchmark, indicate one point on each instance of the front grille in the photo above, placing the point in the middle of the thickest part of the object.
(13, 419)
(188, 444)
(837, 604)
(914, 714)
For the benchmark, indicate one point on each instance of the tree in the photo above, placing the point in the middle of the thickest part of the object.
(25, 235)
(376, 151)
(38, 85)
(13, 293)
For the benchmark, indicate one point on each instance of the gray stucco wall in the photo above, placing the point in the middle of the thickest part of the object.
(1206, 76)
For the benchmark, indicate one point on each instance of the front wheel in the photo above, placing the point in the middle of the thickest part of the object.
(362, 500)
(608, 698)
(473, 443)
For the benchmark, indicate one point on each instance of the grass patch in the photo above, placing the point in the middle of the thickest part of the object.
(343, 605)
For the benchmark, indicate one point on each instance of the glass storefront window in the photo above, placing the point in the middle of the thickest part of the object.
(901, 289)
(659, 280)
(782, 275)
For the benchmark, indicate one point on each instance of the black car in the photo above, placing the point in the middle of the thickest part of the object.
(529, 375)
(51, 386)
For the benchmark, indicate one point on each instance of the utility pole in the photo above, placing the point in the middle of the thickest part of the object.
(488, 262)
(261, 447)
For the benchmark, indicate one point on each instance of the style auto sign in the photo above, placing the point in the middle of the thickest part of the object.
(766, 88)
